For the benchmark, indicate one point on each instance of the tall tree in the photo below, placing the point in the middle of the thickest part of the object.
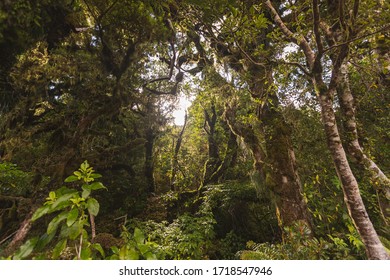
(315, 51)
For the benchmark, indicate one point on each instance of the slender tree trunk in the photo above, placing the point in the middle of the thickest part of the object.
(20, 235)
(149, 165)
(228, 160)
(352, 197)
(213, 160)
(326, 93)
(380, 181)
(175, 157)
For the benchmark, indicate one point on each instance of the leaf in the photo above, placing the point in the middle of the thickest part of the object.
(85, 193)
(150, 256)
(72, 216)
(62, 201)
(40, 212)
(143, 248)
(99, 248)
(61, 245)
(96, 175)
(85, 253)
(97, 186)
(26, 249)
(139, 236)
(71, 178)
(53, 225)
(52, 196)
(93, 206)
(44, 240)
(74, 231)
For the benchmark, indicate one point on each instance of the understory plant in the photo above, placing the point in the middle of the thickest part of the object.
(74, 211)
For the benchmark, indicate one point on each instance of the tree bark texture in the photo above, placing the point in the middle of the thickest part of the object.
(326, 93)
(352, 197)
(380, 181)
(275, 162)
(175, 158)
(149, 160)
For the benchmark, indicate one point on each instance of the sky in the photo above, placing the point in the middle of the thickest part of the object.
(179, 113)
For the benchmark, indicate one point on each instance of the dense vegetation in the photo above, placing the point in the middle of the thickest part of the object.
(284, 152)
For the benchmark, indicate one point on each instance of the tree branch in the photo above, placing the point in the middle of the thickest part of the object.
(300, 41)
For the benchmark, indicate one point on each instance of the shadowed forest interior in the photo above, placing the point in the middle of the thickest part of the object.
(283, 152)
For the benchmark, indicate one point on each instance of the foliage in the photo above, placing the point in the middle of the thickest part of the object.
(135, 247)
(13, 180)
(187, 237)
(72, 208)
(298, 245)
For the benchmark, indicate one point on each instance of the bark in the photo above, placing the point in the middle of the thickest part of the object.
(275, 162)
(326, 93)
(352, 197)
(20, 235)
(228, 160)
(149, 163)
(380, 181)
(175, 161)
(286, 185)
(213, 161)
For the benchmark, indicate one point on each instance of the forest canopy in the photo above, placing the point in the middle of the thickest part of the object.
(284, 152)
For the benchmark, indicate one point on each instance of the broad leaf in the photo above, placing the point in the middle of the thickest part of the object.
(71, 178)
(93, 206)
(72, 216)
(85, 253)
(96, 186)
(40, 212)
(85, 193)
(62, 201)
(26, 249)
(139, 236)
(98, 248)
(61, 245)
(53, 225)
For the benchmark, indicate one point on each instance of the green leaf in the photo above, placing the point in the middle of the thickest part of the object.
(139, 236)
(93, 206)
(44, 240)
(115, 250)
(40, 212)
(96, 175)
(71, 178)
(62, 201)
(85, 193)
(74, 231)
(150, 256)
(96, 186)
(53, 225)
(61, 245)
(26, 249)
(85, 253)
(72, 216)
(143, 248)
(52, 196)
(98, 248)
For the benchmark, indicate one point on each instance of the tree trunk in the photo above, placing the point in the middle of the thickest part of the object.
(352, 197)
(20, 235)
(277, 168)
(380, 181)
(149, 164)
(175, 157)
(213, 160)
(228, 160)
